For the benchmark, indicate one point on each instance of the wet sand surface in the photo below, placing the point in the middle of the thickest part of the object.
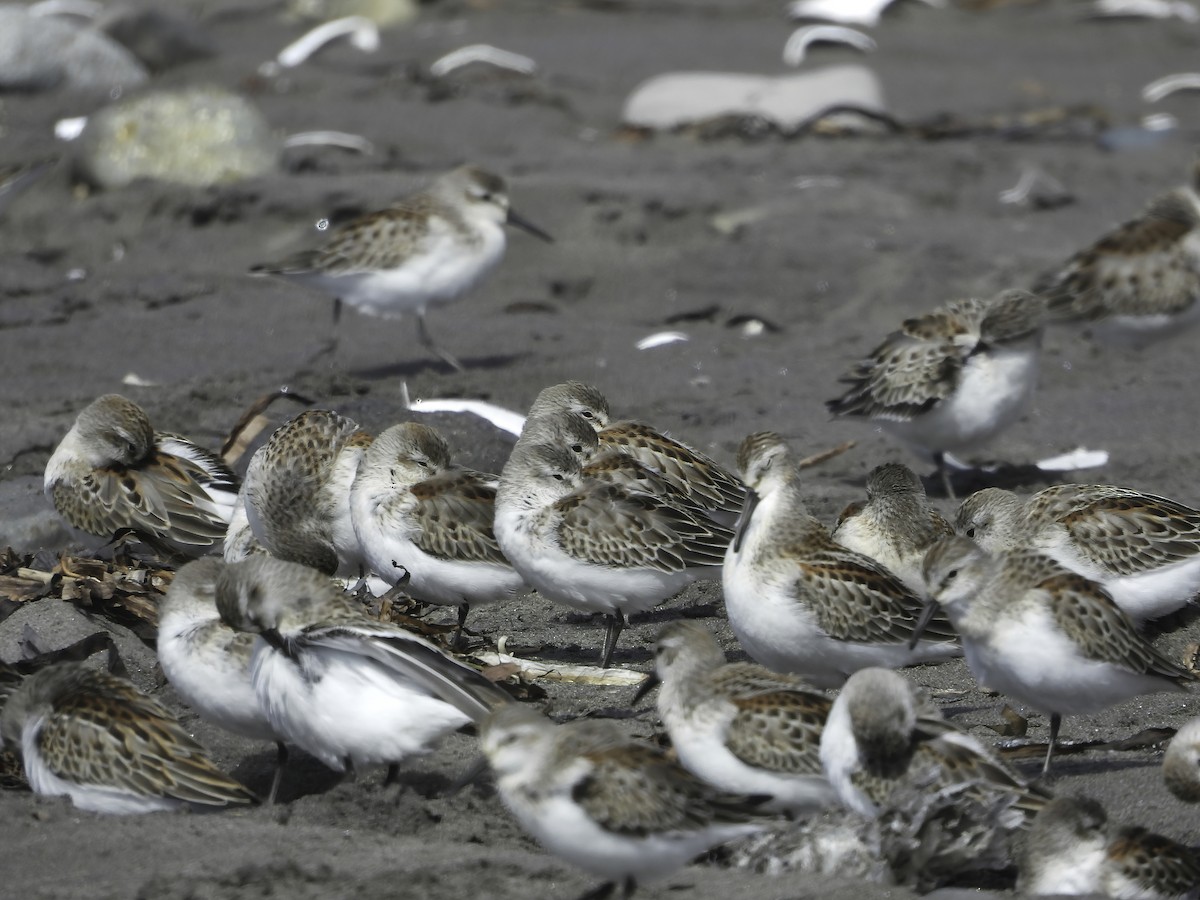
(895, 226)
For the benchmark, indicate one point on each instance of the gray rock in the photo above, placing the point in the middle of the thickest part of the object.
(194, 136)
(40, 52)
(676, 99)
(159, 38)
(55, 624)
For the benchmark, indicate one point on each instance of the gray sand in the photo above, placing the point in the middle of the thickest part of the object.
(909, 225)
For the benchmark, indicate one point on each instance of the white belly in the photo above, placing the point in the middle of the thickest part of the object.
(995, 389)
(356, 709)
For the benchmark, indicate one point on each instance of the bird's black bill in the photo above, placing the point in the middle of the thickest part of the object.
(743, 520)
(651, 682)
(923, 621)
(525, 225)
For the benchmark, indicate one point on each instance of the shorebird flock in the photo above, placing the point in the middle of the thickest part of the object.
(1045, 596)
(266, 633)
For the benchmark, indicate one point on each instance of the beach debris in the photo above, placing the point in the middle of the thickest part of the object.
(504, 419)
(787, 102)
(133, 379)
(195, 136)
(252, 423)
(362, 32)
(1074, 460)
(1037, 189)
(384, 13)
(752, 326)
(342, 139)
(160, 38)
(1143, 9)
(536, 670)
(1164, 87)
(1160, 122)
(38, 52)
(796, 48)
(69, 129)
(124, 592)
(847, 12)
(482, 53)
(660, 338)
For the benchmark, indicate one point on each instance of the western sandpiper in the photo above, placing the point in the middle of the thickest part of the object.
(423, 251)
(611, 466)
(738, 726)
(1042, 634)
(695, 476)
(1141, 281)
(618, 809)
(896, 525)
(1144, 550)
(1181, 763)
(350, 690)
(1073, 850)
(800, 602)
(951, 380)
(95, 738)
(297, 491)
(207, 662)
(113, 471)
(596, 547)
(885, 738)
(417, 515)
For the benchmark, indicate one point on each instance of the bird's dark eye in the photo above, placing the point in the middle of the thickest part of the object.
(587, 414)
(423, 463)
(971, 532)
(557, 477)
(952, 574)
(577, 448)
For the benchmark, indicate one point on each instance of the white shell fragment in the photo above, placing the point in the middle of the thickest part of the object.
(363, 34)
(342, 139)
(1144, 9)
(676, 99)
(482, 53)
(133, 379)
(659, 338)
(1160, 122)
(1073, 460)
(1031, 179)
(69, 129)
(504, 419)
(848, 12)
(797, 45)
(1169, 84)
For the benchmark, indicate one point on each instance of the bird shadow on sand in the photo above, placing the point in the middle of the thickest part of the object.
(302, 776)
(1005, 475)
(414, 367)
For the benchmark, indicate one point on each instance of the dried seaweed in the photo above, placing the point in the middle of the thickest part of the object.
(123, 591)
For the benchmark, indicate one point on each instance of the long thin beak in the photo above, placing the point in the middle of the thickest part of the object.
(525, 225)
(927, 613)
(652, 681)
(743, 520)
